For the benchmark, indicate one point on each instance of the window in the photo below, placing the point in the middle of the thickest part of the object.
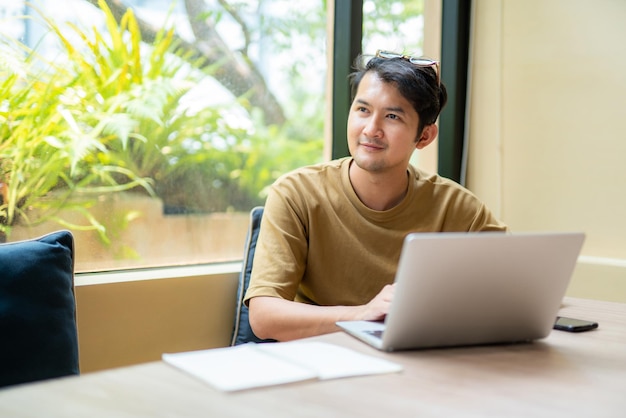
(151, 128)
(152, 152)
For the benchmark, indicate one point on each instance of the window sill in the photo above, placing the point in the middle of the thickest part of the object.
(88, 279)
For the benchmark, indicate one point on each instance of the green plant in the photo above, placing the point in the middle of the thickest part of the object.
(53, 141)
(107, 116)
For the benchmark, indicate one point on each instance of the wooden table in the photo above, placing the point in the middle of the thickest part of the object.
(571, 375)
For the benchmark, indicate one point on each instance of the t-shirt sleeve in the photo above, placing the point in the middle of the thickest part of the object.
(281, 250)
(485, 221)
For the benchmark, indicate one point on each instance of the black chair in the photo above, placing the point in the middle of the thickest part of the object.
(38, 333)
(242, 333)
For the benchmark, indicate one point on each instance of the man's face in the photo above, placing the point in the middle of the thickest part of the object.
(382, 126)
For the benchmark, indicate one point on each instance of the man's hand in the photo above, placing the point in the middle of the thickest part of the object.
(377, 308)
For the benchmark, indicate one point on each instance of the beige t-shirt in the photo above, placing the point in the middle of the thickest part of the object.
(319, 244)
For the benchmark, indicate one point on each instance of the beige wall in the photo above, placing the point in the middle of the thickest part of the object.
(547, 149)
(135, 319)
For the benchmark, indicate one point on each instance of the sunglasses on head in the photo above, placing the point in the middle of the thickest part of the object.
(418, 61)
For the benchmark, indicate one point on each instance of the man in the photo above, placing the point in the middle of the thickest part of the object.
(331, 233)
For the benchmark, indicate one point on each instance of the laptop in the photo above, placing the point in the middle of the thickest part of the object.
(463, 289)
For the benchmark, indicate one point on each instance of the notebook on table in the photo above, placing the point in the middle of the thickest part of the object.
(461, 289)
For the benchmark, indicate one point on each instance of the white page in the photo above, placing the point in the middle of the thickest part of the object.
(237, 368)
(330, 361)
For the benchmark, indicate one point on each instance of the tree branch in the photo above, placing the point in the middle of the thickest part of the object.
(244, 28)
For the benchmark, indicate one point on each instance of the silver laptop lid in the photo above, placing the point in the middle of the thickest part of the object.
(479, 288)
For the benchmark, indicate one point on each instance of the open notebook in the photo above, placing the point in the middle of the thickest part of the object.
(253, 365)
(456, 289)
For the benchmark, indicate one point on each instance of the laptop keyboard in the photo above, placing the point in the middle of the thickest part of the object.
(377, 334)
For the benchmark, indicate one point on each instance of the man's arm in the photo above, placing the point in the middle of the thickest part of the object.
(284, 320)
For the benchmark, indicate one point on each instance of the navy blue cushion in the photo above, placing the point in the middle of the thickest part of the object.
(37, 309)
(242, 333)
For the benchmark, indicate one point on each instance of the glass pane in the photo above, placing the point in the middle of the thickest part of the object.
(393, 25)
(151, 138)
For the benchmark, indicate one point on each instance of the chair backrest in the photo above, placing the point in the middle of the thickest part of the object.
(38, 334)
(242, 333)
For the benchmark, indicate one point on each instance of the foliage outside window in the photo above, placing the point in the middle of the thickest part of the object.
(108, 107)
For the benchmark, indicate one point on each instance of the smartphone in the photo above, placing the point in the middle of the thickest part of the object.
(574, 325)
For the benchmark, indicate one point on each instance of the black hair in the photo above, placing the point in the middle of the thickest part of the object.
(418, 84)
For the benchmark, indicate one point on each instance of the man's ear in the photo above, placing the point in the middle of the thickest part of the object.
(428, 135)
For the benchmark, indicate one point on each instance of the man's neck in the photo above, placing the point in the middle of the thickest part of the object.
(379, 191)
